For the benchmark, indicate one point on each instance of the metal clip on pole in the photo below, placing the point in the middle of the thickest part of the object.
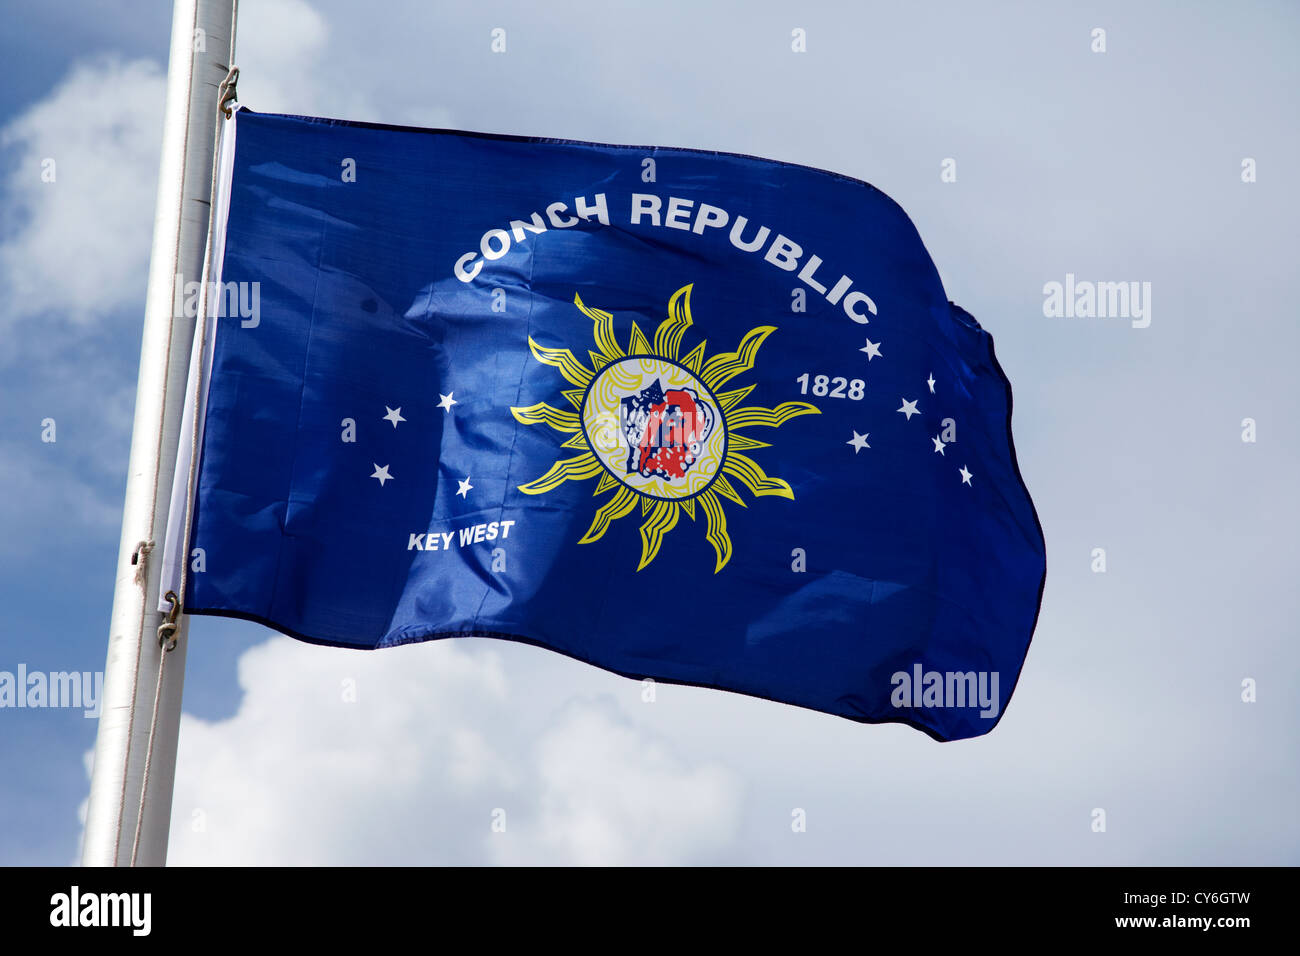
(226, 93)
(167, 629)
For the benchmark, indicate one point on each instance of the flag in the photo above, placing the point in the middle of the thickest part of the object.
(684, 415)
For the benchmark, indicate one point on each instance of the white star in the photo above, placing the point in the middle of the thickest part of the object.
(938, 445)
(909, 408)
(930, 381)
(465, 488)
(858, 442)
(382, 474)
(447, 401)
(966, 476)
(872, 350)
(394, 415)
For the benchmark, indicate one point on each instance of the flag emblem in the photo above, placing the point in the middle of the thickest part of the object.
(656, 428)
(667, 432)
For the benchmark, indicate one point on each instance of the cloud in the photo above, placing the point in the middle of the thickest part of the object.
(609, 793)
(291, 62)
(74, 258)
(408, 755)
(76, 247)
(281, 53)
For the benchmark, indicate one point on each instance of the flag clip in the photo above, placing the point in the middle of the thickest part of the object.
(167, 629)
(226, 93)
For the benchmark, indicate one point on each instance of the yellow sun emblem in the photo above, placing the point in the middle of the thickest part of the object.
(657, 428)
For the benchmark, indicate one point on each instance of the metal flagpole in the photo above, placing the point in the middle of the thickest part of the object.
(129, 813)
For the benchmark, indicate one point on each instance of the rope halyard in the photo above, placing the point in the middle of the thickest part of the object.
(139, 557)
(166, 630)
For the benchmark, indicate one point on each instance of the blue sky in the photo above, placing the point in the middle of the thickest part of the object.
(1116, 166)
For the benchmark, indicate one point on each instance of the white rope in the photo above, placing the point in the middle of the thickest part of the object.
(168, 629)
(148, 753)
(141, 555)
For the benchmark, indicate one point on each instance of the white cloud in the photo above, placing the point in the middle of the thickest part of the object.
(413, 770)
(280, 51)
(609, 793)
(291, 62)
(77, 248)
(74, 257)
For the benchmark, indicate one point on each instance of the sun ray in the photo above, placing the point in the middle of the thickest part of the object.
(725, 488)
(604, 331)
(771, 417)
(695, 357)
(662, 520)
(598, 360)
(744, 443)
(725, 366)
(688, 505)
(729, 400)
(612, 510)
(580, 441)
(717, 533)
(561, 421)
(607, 481)
(574, 371)
(751, 475)
(637, 343)
(566, 469)
(574, 395)
(668, 336)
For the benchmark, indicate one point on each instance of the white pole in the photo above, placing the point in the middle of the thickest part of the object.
(200, 48)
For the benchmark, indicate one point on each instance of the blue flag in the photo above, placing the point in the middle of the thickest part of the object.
(684, 415)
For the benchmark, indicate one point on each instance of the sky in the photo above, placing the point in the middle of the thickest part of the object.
(1166, 159)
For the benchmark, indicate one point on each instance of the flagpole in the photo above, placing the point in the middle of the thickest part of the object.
(116, 829)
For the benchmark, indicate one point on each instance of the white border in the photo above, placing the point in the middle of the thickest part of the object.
(200, 375)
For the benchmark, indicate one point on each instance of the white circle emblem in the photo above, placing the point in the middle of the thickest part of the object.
(655, 427)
